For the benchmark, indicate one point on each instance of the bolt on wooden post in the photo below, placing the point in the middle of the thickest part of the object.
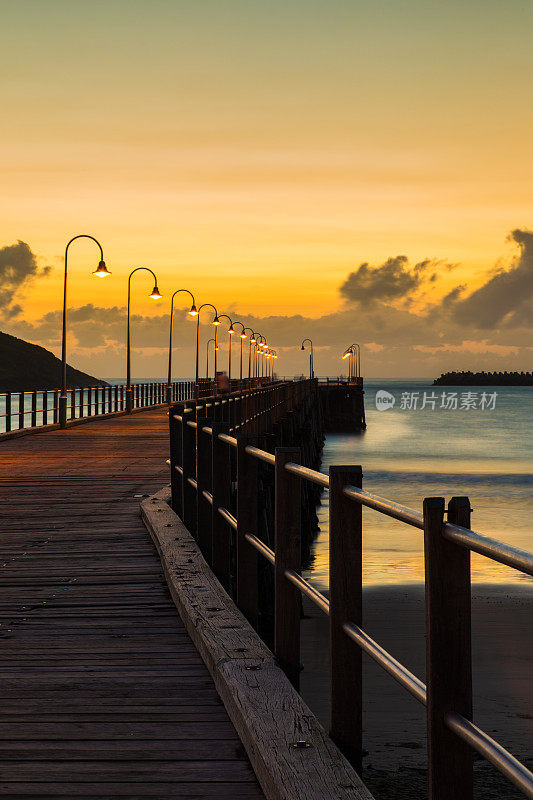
(287, 535)
(221, 558)
(346, 601)
(247, 523)
(448, 650)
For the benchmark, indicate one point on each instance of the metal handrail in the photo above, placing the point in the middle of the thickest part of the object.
(262, 455)
(484, 545)
(480, 741)
(491, 548)
(306, 588)
(261, 547)
(400, 673)
(84, 402)
(384, 506)
(507, 764)
(308, 474)
(231, 440)
(228, 516)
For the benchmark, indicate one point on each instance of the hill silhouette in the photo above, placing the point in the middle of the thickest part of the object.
(25, 367)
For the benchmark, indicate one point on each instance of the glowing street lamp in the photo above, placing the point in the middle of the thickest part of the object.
(355, 350)
(260, 343)
(155, 295)
(253, 340)
(242, 336)
(193, 312)
(231, 331)
(216, 322)
(311, 364)
(101, 271)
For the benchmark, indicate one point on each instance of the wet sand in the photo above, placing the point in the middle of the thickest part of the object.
(394, 723)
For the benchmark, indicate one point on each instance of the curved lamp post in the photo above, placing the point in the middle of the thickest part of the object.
(273, 355)
(242, 336)
(311, 360)
(216, 321)
(101, 271)
(259, 344)
(358, 361)
(231, 331)
(155, 295)
(193, 312)
(215, 348)
(253, 340)
(356, 352)
(349, 353)
(263, 353)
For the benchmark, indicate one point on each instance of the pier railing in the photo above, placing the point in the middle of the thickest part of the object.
(215, 462)
(22, 410)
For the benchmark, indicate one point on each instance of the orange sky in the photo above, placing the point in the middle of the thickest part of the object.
(258, 153)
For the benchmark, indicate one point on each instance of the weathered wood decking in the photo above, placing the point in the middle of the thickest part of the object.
(102, 693)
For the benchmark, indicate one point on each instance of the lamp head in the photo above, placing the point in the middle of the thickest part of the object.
(156, 294)
(193, 312)
(231, 330)
(216, 320)
(253, 340)
(101, 270)
(243, 335)
(303, 348)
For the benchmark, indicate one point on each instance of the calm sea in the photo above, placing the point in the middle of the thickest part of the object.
(410, 453)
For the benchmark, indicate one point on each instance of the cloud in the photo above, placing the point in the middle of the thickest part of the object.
(18, 266)
(507, 296)
(96, 327)
(391, 280)
(488, 329)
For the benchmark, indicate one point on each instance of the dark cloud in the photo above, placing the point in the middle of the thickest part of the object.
(95, 327)
(391, 280)
(507, 297)
(18, 266)
(460, 330)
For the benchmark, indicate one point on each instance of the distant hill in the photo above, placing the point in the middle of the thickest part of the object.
(485, 379)
(25, 366)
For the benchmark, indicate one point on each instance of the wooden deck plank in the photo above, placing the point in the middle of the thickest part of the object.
(102, 693)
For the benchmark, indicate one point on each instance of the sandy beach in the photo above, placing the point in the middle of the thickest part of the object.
(394, 723)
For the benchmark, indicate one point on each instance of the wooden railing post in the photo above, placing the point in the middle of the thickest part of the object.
(346, 600)
(203, 483)
(287, 536)
(56, 406)
(448, 650)
(21, 410)
(8, 411)
(188, 451)
(221, 499)
(175, 458)
(33, 409)
(247, 522)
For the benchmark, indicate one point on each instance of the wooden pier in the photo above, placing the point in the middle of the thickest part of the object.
(112, 685)
(102, 692)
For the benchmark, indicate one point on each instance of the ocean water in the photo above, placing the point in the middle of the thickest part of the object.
(408, 453)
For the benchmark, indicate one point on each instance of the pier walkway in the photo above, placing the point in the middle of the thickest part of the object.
(102, 693)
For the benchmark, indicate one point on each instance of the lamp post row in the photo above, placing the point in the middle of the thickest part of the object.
(260, 366)
(102, 271)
